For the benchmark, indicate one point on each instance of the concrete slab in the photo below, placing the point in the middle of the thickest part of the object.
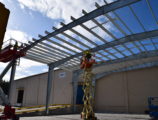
(99, 116)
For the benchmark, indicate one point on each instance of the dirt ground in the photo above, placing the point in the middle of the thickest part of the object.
(99, 116)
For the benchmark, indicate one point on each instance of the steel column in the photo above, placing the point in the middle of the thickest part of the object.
(49, 86)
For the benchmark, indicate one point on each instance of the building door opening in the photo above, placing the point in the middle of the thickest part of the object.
(20, 96)
(79, 95)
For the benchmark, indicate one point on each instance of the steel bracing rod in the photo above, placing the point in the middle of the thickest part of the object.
(118, 17)
(75, 67)
(135, 47)
(132, 67)
(42, 56)
(54, 48)
(68, 36)
(106, 31)
(140, 23)
(80, 35)
(6, 70)
(95, 13)
(131, 48)
(152, 53)
(57, 52)
(117, 26)
(96, 35)
(151, 10)
(75, 40)
(51, 49)
(58, 44)
(62, 51)
(93, 33)
(35, 59)
(127, 28)
(134, 37)
(69, 66)
(72, 61)
(87, 39)
(47, 52)
(59, 38)
(38, 57)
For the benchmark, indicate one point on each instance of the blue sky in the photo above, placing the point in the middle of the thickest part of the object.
(29, 18)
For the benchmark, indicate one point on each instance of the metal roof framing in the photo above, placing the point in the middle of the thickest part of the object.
(118, 52)
(62, 49)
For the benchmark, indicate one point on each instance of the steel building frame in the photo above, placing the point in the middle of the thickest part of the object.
(64, 50)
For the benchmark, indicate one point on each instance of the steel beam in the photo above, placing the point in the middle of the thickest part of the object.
(152, 53)
(133, 67)
(130, 38)
(95, 13)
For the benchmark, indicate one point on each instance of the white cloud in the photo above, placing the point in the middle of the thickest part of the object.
(59, 9)
(17, 35)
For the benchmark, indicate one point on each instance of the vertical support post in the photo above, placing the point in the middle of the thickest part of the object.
(49, 86)
(12, 76)
(75, 79)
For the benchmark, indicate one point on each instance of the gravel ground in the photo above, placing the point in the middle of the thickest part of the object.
(99, 116)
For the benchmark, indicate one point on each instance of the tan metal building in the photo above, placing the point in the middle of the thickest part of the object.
(118, 92)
